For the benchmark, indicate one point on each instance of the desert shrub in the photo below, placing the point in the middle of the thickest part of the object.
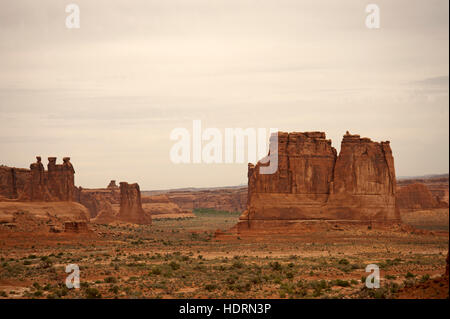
(210, 287)
(174, 265)
(390, 262)
(242, 287)
(46, 262)
(425, 278)
(61, 292)
(237, 265)
(92, 293)
(114, 289)
(231, 280)
(110, 280)
(343, 262)
(341, 283)
(409, 283)
(385, 292)
(276, 266)
(317, 292)
(409, 275)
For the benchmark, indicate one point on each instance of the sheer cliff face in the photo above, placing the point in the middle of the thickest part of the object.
(305, 166)
(130, 205)
(37, 184)
(364, 183)
(312, 182)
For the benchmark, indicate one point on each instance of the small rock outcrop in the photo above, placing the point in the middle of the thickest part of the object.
(112, 185)
(76, 227)
(96, 199)
(106, 215)
(130, 205)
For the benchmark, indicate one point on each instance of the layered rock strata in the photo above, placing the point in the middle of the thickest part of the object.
(313, 183)
(417, 197)
(57, 183)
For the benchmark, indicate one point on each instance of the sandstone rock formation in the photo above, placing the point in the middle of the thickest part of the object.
(76, 227)
(130, 205)
(41, 216)
(36, 188)
(96, 199)
(106, 215)
(13, 181)
(417, 197)
(112, 185)
(234, 199)
(229, 199)
(61, 182)
(438, 186)
(313, 183)
(160, 206)
(364, 182)
(36, 184)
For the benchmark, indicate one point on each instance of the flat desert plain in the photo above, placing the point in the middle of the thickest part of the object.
(199, 258)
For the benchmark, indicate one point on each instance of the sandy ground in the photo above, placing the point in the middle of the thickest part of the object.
(181, 258)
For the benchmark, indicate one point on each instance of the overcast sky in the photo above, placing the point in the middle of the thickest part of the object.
(109, 94)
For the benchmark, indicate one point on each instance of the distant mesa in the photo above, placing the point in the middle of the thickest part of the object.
(417, 196)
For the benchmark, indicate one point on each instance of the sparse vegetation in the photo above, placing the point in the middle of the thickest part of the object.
(182, 259)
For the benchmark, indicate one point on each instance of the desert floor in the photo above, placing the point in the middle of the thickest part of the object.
(181, 258)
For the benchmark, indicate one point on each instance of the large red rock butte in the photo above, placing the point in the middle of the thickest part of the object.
(312, 182)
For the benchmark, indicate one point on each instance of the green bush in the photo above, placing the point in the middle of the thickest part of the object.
(114, 289)
(92, 293)
(343, 262)
(276, 266)
(410, 275)
(341, 283)
(110, 280)
(174, 265)
(210, 287)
